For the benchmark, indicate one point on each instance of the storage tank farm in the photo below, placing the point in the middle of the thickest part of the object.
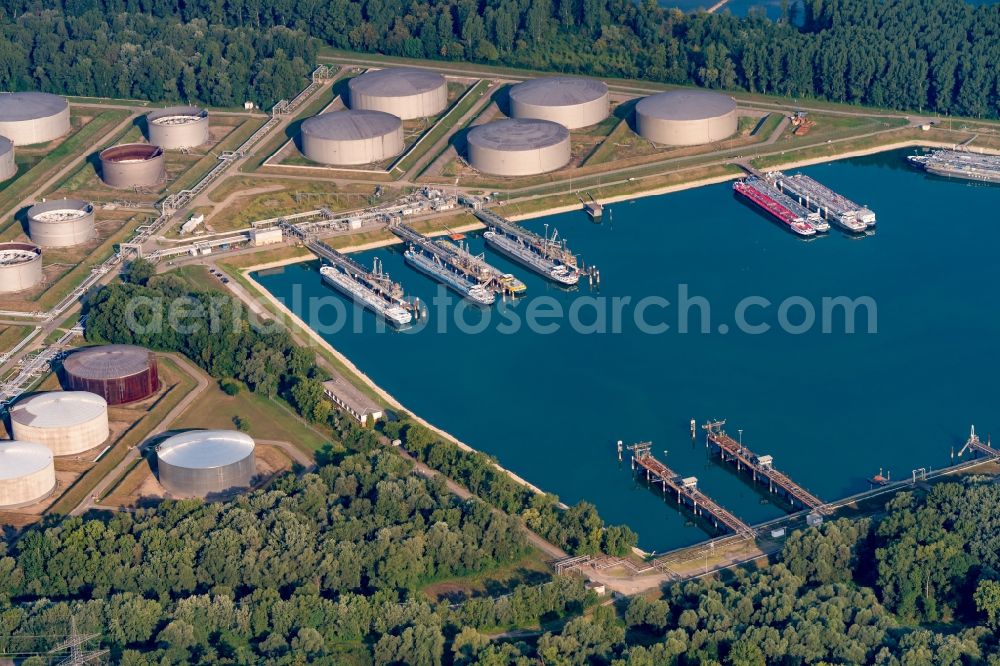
(686, 117)
(201, 463)
(133, 165)
(571, 101)
(352, 137)
(518, 147)
(177, 127)
(27, 473)
(118, 373)
(61, 223)
(404, 92)
(27, 118)
(20, 267)
(67, 422)
(8, 165)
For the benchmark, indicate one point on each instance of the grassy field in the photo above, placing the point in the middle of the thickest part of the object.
(529, 570)
(178, 384)
(269, 418)
(11, 335)
(233, 139)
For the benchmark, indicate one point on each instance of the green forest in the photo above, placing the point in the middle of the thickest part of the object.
(327, 567)
(938, 56)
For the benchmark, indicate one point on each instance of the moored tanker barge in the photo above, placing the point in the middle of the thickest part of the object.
(960, 164)
(778, 205)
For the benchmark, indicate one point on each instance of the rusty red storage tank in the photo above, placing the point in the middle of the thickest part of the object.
(117, 373)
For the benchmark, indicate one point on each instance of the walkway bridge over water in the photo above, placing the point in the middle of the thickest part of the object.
(686, 490)
(761, 467)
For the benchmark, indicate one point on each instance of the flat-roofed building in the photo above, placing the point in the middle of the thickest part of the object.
(350, 399)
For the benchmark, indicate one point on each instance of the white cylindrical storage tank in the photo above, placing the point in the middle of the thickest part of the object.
(8, 166)
(571, 101)
(61, 223)
(133, 165)
(177, 127)
(202, 463)
(405, 92)
(27, 118)
(20, 267)
(27, 473)
(67, 422)
(346, 138)
(686, 117)
(518, 147)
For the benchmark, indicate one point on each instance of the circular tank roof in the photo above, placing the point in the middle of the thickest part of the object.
(19, 459)
(518, 134)
(205, 449)
(58, 210)
(131, 152)
(351, 125)
(18, 253)
(57, 409)
(396, 82)
(177, 115)
(686, 105)
(29, 106)
(107, 362)
(558, 91)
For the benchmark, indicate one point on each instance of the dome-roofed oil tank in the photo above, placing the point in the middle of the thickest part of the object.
(61, 222)
(686, 117)
(351, 138)
(571, 101)
(405, 92)
(117, 373)
(201, 463)
(130, 165)
(8, 165)
(177, 127)
(67, 422)
(20, 267)
(27, 473)
(28, 118)
(518, 147)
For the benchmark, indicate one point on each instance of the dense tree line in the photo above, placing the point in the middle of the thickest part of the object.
(578, 529)
(296, 573)
(933, 55)
(155, 57)
(848, 592)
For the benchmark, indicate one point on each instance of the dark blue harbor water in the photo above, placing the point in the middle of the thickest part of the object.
(832, 408)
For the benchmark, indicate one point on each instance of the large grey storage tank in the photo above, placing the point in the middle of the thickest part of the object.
(351, 138)
(201, 463)
(405, 92)
(571, 101)
(27, 118)
(20, 267)
(177, 127)
(67, 422)
(118, 373)
(686, 117)
(8, 165)
(27, 473)
(518, 147)
(132, 165)
(61, 222)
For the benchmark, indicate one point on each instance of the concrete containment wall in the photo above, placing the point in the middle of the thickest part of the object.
(351, 138)
(404, 92)
(518, 147)
(686, 117)
(132, 165)
(177, 127)
(61, 222)
(571, 101)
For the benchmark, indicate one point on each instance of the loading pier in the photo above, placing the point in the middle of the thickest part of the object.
(829, 204)
(375, 280)
(546, 255)
(686, 491)
(978, 446)
(761, 467)
(461, 261)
